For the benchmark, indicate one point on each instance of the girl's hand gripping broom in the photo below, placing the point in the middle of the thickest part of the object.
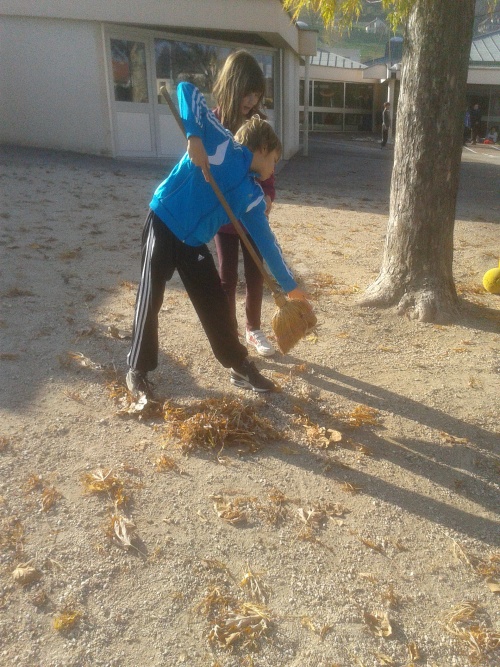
(294, 317)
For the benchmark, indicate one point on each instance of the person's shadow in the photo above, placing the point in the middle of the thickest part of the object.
(463, 458)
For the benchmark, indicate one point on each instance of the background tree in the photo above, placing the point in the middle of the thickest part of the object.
(416, 273)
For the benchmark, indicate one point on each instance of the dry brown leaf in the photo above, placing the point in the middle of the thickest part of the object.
(493, 584)
(50, 496)
(214, 564)
(462, 622)
(484, 567)
(114, 332)
(66, 620)
(244, 624)
(164, 463)
(465, 611)
(258, 589)
(103, 480)
(398, 545)
(84, 361)
(229, 512)
(333, 435)
(307, 623)
(379, 623)
(372, 545)
(384, 659)
(123, 527)
(216, 423)
(362, 415)
(350, 488)
(322, 631)
(447, 437)
(316, 435)
(39, 598)
(391, 597)
(26, 574)
(34, 483)
(413, 651)
(215, 603)
(310, 516)
(362, 449)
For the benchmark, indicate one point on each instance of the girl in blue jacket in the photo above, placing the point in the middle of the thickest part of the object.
(184, 216)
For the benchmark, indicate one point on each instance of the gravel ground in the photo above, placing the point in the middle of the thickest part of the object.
(354, 522)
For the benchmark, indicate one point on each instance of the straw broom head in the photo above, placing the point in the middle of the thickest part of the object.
(291, 322)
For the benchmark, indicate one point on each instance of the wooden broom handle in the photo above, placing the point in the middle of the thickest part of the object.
(237, 224)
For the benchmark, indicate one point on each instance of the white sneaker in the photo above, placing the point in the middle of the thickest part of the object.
(258, 339)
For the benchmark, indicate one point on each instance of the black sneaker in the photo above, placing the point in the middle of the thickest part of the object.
(247, 376)
(138, 383)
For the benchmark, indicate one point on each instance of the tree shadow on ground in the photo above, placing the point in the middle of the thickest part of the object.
(467, 465)
(476, 316)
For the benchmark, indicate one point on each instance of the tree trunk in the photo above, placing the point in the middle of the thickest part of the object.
(416, 273)
(138, 75)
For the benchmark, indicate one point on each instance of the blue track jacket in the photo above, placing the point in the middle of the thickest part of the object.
(188, 206)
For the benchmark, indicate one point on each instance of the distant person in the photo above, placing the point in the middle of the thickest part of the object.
(386, 123)
(475, 119)
(467, 126)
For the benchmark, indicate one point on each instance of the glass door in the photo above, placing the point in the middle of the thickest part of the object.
(132, 99)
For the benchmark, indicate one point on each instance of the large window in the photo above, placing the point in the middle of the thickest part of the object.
(339, 107)
(359, 96)
(328, 94)
(327, 121)
(129, 71)
(199, 63)
(358, 122)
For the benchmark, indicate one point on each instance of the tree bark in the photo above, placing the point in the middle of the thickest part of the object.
(138, 75)
(416, 273)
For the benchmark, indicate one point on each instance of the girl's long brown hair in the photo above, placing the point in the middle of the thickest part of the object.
(240, 76)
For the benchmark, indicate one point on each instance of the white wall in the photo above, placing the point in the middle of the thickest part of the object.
(323, 73)
(265, 16)
(57, 67)
(53, 81)
(484, 75)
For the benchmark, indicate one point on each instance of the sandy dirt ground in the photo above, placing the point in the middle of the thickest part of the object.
(350, 519)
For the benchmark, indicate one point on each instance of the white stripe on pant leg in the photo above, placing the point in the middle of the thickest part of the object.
(143, 300)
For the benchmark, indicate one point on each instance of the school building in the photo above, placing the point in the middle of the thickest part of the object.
(84, 75)
(347, 96)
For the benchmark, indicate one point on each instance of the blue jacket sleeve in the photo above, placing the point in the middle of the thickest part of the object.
(192, 109)
(257, 225)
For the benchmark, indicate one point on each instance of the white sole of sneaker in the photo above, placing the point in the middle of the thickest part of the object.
(265, 353)
(244, 384)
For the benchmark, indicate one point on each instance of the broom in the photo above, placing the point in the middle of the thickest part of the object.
(293, 318)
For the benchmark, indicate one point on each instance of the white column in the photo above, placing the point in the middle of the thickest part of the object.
(305, 137)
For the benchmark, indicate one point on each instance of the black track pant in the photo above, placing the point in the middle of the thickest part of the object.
(162, 254)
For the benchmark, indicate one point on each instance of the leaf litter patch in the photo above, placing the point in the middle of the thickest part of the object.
(216, 423)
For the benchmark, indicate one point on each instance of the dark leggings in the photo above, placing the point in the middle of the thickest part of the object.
(227, 251)
(162, 254)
